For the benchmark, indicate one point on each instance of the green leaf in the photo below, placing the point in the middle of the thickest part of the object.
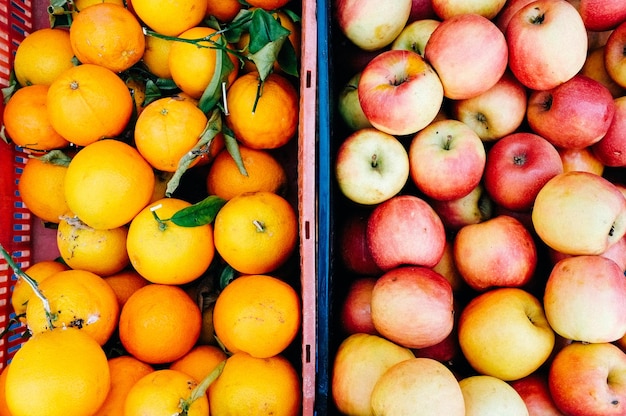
(287, 59)
(227, 275)
(153, 92)
(264, 29)
(240, 24)
(232, 146)
(264, 59)
(55, 157)
(200, 213)
(223, 68)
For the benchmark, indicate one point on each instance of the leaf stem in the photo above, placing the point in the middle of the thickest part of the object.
(201, 389)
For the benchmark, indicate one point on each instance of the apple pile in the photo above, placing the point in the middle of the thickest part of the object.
(480, 167)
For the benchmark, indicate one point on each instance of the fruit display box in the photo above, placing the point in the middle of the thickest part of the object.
(28, 241)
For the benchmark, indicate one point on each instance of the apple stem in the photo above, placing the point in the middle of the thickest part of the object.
(447, 141)
(374, 160)
(519, 160)
(537, 20)
(547, 103)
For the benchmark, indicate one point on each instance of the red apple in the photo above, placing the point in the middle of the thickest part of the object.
(353, 250)
(601, 15)
(579, 213)
(356, 311)
(594, 68)
(405, 230)
(368, 25)
(413, 306)
(614, 59)
(589, 380)
(399, 92)
(466, 70)
(446, 160)
(447, 268)
(473, 208)
(536, 35)
(371, 166)
(510, 8)
(535, 392)
(495, 113)
(499, 252)
(585, 299)
(421, 9)
(582, 104)
(615, 252)
(518, 165)
(611, 149)
(580, 159)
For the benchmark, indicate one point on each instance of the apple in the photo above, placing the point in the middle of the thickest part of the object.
(472, 208)
(504, 333)
(413, 306)
(446, 351)
(585, 299)
(510, 8)
(446, 160)
(536, 35)
(405, 230)
(418, 383)
(446, 9)
(447, 268)
(581, 159)
(495, 113)
(349, 107)
(399, 92)
(594, 68)
(466, 70)
(356, 311)
(371, 166)
(517, 167)
(582, 104)
(589, 380)
(611, 149)
(486, 396)
(498, 252)
(602, 15)
(360, 361)
(415, 35)
(421, 9)
(368, 25)
(615, 252)
(535, 392)
(353, 250)
(579, 213)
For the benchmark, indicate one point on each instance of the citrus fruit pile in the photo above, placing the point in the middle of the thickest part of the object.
(158, 136)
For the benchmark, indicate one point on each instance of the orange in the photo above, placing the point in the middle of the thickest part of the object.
(257, 314)
(4, 407)
(166, 130)
(268, 4)
(171, 17)
(163, 252)
(207, 153)
(42, 189)
(39, 271)
(223, 10)
(124, 284)
(42, 56)
(83, 4)
(63, 372)
(125, 371)
(156, 56)
(256, 233)
(107, 183)
(160, 394)
(27, 122)
(269, 122)
(78, 299)
(102, 252)
(109, 35)
(159, 323)
(89, 102)
(264, 173)
(256, 386)
(199, 362)
(193, 66)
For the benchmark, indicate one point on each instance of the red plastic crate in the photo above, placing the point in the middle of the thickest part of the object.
(24, 239)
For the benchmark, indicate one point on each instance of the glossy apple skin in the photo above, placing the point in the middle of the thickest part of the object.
(446, 9)
(473, 208)
(413, 306)
(498, 252)
(594, 68)
(359, 362)
(356, 311)
(611, 149)
(614, 61)
(495, 113)
(585, 299)
(446, 160)
(581, 159)
(504, 333)
(615, 252)
(354, 251)
(518, 165)
(602, 15)
(536, 54)
(582, 104)
(589, 380)
(415, 35)
(465, 70)
(594, 204)
(535, 392)
(510, 8)
(399, 92)
(405, 230)
(447, 268)
(349, 106)
(421, 9)
(368, 25)
(487, 395)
